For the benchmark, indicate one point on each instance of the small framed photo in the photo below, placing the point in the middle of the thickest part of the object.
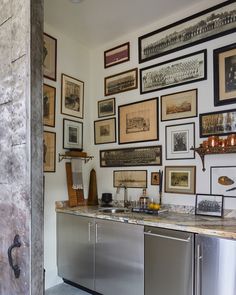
(49, 102)
(210, 205)
(105, 131)
(49, 151)
(179, 105)
(121, 82)
(72, 96)
(179, 139)
(155, 178)
(72, 135)
(116, 55)
(130, 178)
(106, 107)
(180, 179)
(49, 57)
(225, 75)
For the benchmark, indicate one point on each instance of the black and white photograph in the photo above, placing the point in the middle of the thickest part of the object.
(106, 107)
(130, 178)
(223, 181)
(211, 23)
(49, 57)
(209, 205)
(49, 103)
(49, 151)
(105, 131)
(182, 70)
(72, 135)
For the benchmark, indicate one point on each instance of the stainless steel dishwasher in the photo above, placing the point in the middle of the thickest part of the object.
(169, 260)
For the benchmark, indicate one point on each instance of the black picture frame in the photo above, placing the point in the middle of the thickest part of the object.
(117, 55)
(106, 107)
(49, 57)
(105, 131)
(72, 135)
(49, 151)
(209, 205)
(49, 105)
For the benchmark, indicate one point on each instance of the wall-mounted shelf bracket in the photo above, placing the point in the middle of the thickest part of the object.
(72, 155)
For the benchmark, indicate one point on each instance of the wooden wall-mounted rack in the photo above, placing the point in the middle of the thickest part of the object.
(73, 155)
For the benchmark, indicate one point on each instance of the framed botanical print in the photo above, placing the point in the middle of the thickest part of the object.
(105, 131)
(209, 205)
(49, 102)
(72, 135)
(49, 57)
(106, 107)
(49, 151)
(116, 55)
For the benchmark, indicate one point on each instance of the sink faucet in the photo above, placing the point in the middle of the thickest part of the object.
(126, 202)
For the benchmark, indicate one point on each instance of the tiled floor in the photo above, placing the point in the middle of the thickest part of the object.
(64, 289)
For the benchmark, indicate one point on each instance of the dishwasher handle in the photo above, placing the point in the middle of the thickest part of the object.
(149, 233)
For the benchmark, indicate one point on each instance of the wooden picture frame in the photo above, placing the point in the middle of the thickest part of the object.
(72, 96)
(49, 151)
(105, 131)
(208, 24)
(117, 55)
(137, 156)
(217, 123)
(121, 82)
(49, 105)
(224, 75)
(209, 205)
(138, 121)
(173, 72)
(49, 57)
(180, 179)
(106, 107)
(72, 135)
(130, 178)
(179, 105)
(155, 178)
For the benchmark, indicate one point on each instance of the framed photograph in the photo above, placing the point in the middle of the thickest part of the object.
(116, 55)
(49, 151)
(138, 156)
(155, 178)
(72, 96)
(106, 107)
(49, 57)
(178, 71)
(49, 102)
(138, 122)
(223, 181)
(180, 179)
(130, 178)
(210, 205)
(105, 131)
(179, 105)
(121, 82)
(179, 139)
(217, 123)
(72, 135)
(225, 75)
(211, 23)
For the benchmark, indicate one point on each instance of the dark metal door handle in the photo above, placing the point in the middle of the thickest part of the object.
(16, 243)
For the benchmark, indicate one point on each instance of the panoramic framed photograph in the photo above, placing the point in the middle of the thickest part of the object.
(130, 178)
(217, 123)
(105, 131)
(180, 179)
(208, 24)
(106, 107)
(223, 181)
(138, 121)
(179, 105)
(49, 102)
(72, 135)
(116, 55)
(72, 96)
(138, 156)
(49, 151)
(225, 75)
(155, 178)
(178, 71)
(49, 57)
(179, 139)
(209, 205)
(121, 82)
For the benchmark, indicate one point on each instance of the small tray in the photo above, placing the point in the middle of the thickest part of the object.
(142, 210)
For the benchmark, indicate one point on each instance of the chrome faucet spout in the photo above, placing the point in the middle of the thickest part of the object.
(126, 202)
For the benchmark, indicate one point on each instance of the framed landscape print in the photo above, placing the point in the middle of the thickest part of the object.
(72, 96)
(105, 131)
(49, 57)
(106, 107)
(180, 179)
(138, 122)
(179, 139)
(116, 55)
(179, 71)
(225, 75)
(130, 178)
(217, 123)
(209, 205)
(155, 178)
(121, 82)
(179, 105)
(211, 23)
(49, 151)
(49, 102)
(72, 135)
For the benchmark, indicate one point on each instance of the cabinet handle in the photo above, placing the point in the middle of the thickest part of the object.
(96, 232)
(15, 267)
(198, 272)
(89, 232)
(168, 237)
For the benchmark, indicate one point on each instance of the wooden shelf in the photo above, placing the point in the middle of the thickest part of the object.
(74, 155)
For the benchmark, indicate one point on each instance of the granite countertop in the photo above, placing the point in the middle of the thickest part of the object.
(214, 226)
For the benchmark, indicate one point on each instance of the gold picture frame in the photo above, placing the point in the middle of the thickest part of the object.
(49, 151)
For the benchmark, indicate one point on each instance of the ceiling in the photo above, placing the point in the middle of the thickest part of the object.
(95, 22)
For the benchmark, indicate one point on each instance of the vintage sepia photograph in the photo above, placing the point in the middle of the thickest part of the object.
(116, 55)
(105, 131)
(72, 96)
(49, 102)
(179, 71)
(209, 205)
(49, 151)
(155, 178)
(223, 181)
(130, 178)
(106, 107)
(121, 82)
(49, 57)
(211, 23)
(72, 135)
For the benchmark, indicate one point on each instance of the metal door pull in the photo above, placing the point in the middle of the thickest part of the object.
(16, 244)
(168, 237)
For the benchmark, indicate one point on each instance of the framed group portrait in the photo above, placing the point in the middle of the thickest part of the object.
(49, 103)
(72, 135)
(106, 107)
(105, 131)
(116, 55)
(209, 205)
(130, 178)
(49, 151)
(49, 57)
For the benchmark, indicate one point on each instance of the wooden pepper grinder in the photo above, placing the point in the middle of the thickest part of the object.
(93, 195)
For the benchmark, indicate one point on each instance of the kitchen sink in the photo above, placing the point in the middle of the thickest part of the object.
(113, 210)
